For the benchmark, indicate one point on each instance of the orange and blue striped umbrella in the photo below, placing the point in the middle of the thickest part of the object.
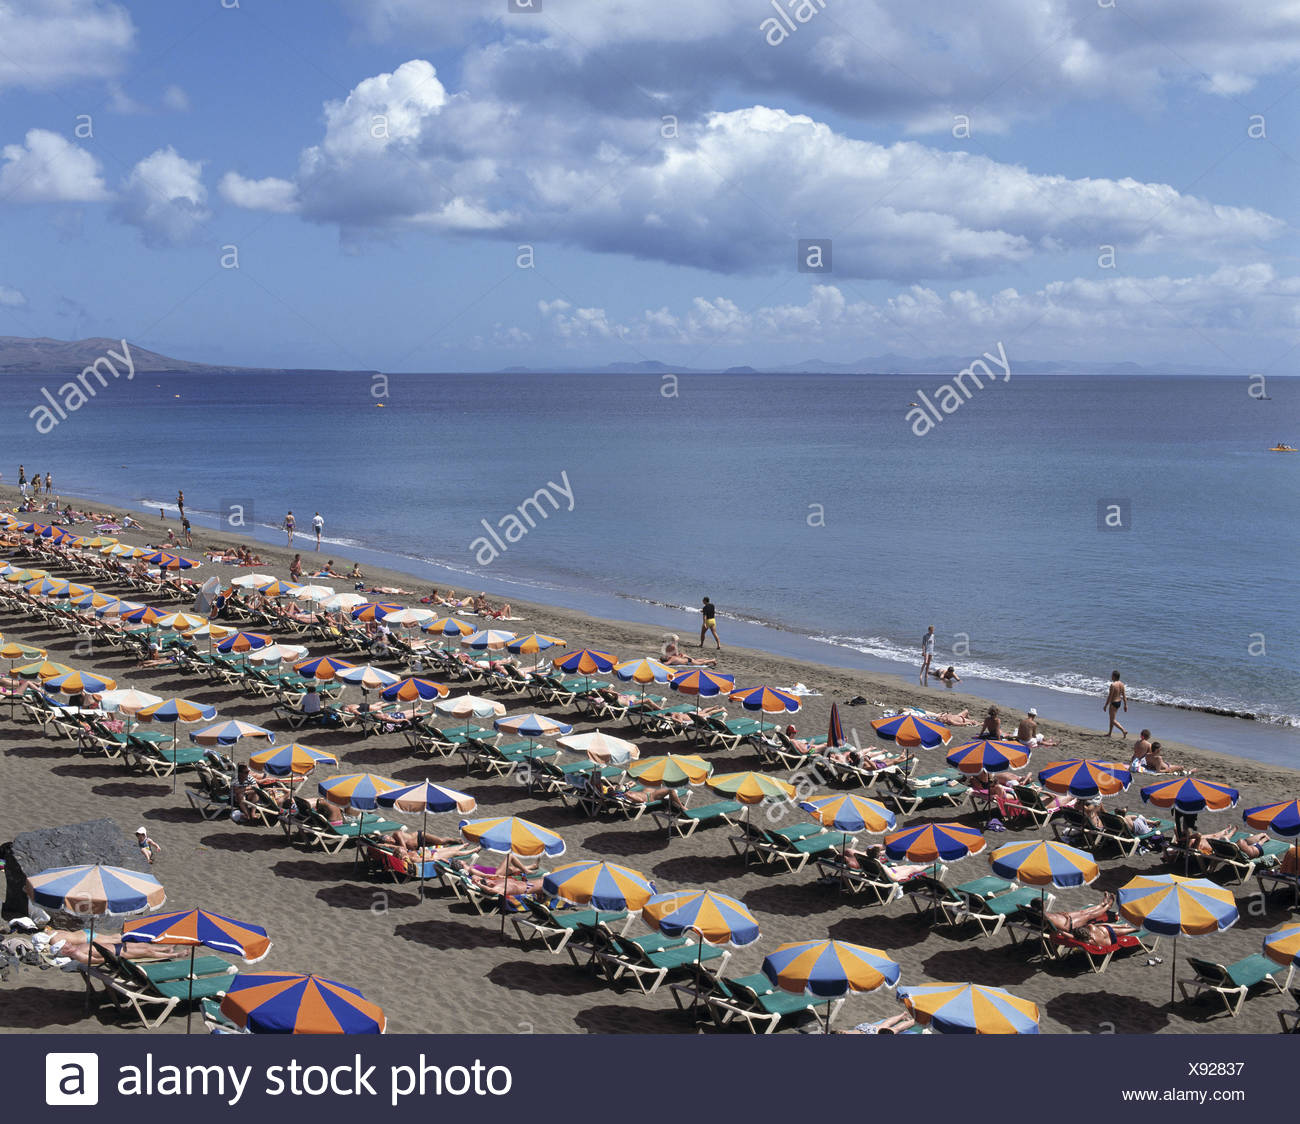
(95, 890)
(909, 731)
(322, 668)
(751, 787)
(182, 622)
(79, 682)
(532, 726)
(935, 843)
(293, 758)
(374, 610)
(512, 835)
(92, 599)
(414, 688)
(533, 643)
(702, 683)
(715, 917)
(1084, 778)
(835, 732)
(244, 642)
(290, 1003)
(448, 626)
(670, 769)
(1174, 906)
(957, 1008)
(178, 710)
(850, 813)
(198, 927)
(1282, 818)
(991, 756)
(587, 662)
(359, 790)
(427, 797)
(47, 587)
(1283, 947)
(277, 587)
(599, 885)
(829, 969)
(1187, 794)
(768, 700)
(165, 560)
(644, 671)
(1044, 863)
(143, 614)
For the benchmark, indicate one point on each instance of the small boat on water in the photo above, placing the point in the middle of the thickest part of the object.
(1280, 448)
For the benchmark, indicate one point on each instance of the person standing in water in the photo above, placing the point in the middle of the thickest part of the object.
(317, 525)
(1116, 696)
(288, 529)
(180, 503)
(709, 622)
(927, 654)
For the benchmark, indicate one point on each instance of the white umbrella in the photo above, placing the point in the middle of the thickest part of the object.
(247, 580)
(604, 748)
(368, 677)
(342, 601)
(127, 700)
(470, 706)
(278, 653)
(313, 592)
(409, 616)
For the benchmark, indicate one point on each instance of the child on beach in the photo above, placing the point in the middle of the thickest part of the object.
(148, 847)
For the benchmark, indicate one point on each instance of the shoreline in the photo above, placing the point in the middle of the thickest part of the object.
(833, 679)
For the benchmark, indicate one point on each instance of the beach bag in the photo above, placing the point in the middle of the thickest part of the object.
(996, 824)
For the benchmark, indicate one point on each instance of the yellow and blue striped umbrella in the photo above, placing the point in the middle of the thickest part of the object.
(291, 1003)
(276, 587)
(512, 835)
(715, 917)
(850, 813)
(1188, 794)
(448, 626)
(957, 1008)
(587, 662)
(1085, 778)
(46, 587)
(143, 614)
(1044, 863)
(322, 667)
(1283, 947)
(374, 610)
(79, 682)
(95, 890)
(1174, 906)
(244, 642)
(670, 769)
(294, 758)
(768, 700)
(829, 969)
(182, 622)
(644, 671)
(599, 885)
(533, 643)
(176, 710)
(991, 756)
(228, 733)
(94, 600)
(935, 842)
(910, 731)
(358, 790)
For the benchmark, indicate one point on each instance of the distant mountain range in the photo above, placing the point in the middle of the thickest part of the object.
(42, 355)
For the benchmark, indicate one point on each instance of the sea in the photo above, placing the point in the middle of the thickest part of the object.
(1052, 528)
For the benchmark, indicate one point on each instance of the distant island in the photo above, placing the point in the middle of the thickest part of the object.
(42, 355)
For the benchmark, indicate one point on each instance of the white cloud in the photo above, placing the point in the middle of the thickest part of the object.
(46, 168)
(1213, 311)
(55, 42)
(164, 197)
(176, 99)
(270, 194)
(12, 298)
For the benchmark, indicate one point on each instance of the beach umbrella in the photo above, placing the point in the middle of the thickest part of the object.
(228, 733)
(245, 642)
(94, 890)
(426, 797)
(323, 668)
(670, 769)
(829, 969)
(910, 731)
(176, 711)
(602, 886)
(1283, 947)
(448, 626)
(587, 662)
(313, 593)
(1174, 906)
(835, 730)
(714, 918)
(278, 653)
(850, 813)
(1189, 795)
(1085, 778)
(604, 749)
(487, 640)
(470, 706)
(751, 788)
(143, 614)
(17, 577)
(199, 928)
(290, 1003)
(368, 677)
(512, 835)
(294, 758)
(766, 700)
(46, 587)
(92, 600)
(935, 843)
(360, 791)
(165, 560)
(43, 669)
(1043, 864)
(128, 700)
(702, 683)
(964, 1008)
(122, 550)
(250, 581)
(277, 587)
(374, 610)
(413, 689)
(13, 652)
(992, 756)
(644, 671)
(80, 682)
(532, 727)
(533, 644)
(1282, 818)
(407, 617)
(341, 602)
(182, 622)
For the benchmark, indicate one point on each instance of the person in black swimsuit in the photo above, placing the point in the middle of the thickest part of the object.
(1116, 696)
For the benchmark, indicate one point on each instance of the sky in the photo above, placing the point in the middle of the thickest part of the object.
(461, 185)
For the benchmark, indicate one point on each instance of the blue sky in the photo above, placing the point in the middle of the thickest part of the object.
(377, 165)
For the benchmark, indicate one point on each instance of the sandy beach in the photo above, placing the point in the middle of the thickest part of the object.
(437, 967)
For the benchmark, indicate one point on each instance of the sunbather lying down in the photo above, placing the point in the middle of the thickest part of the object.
(75, 945)
(899, 873)
(510, 879)
(895, 1024)
(604, 787)
(1096, 924)
(1251, 846)
(962, 718)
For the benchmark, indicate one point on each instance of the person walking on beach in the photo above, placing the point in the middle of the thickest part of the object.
(1116, 696)
(180, 503)
(709, 623)
(317, 525)
(288, 528)
(295, 567)
(185, 529)
(927, 654)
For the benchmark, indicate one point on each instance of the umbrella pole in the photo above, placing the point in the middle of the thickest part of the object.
(419, 846)
(90, 957)
(361, 822)
(1173, 969)
(189, 1006)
